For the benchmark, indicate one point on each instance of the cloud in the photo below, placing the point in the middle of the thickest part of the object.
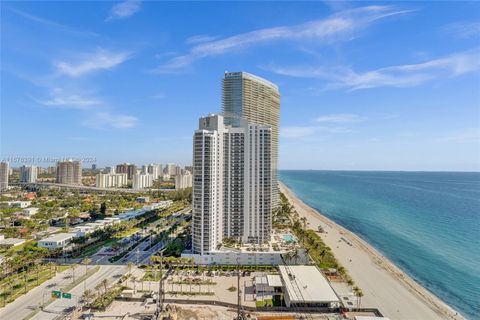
(297, 132)
(58, 98)
(341, 118)
(401, 76)
(338, 26)
(464, 29)
(124, 10)
(52, 24)
(305, 131)
(107, 120)
(91, 62)
(200, 39)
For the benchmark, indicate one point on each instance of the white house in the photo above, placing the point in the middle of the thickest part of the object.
(56, 241)
(19, 204)
(28, 212)
(10, 242)
(82, 231)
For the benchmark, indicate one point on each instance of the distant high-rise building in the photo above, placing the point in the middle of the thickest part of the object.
(189, 168)
(258, 101)
(183, 181)
(28, 174)
(178, 170)
(232, 183)
(4, 168)
(110, 170)
(154, 169)
(110, 180)
(69, 172)
(171, 169)
(51, 170)
(129, 169)
(142, 181)
(94, 167)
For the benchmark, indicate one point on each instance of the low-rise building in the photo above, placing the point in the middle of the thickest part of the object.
(306, 286)
(56, 241)
(232, 256)
(28, 212)
(19, 204)
(82, 231)
(268, 286)
(10, 242)
(113, 220)
(142, 199)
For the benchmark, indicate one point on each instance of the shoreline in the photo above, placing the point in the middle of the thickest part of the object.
(384, 285)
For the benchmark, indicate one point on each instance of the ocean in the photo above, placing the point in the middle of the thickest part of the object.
(427, 223)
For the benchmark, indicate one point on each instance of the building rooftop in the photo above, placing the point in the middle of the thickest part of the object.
(307, 284)
(274, 280)
(229, 75)
(59, 237)
(11, 241)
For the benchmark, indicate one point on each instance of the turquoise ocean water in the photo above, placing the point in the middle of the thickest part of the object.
(427, 223)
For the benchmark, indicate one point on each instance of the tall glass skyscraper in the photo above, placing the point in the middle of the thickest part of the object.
(258, 101)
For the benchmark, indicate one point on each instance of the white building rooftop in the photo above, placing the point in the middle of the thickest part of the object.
(11, 242)
(59, 237)
(306, 284)
(274, 280)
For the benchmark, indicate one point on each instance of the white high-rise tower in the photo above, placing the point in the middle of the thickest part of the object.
(232, 183)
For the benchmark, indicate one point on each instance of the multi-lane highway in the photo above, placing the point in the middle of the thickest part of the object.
(26, 304)
(62, 306)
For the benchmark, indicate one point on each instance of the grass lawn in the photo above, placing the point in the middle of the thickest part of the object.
(126, 233)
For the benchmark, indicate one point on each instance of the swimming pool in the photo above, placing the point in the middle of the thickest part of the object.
(288, 238)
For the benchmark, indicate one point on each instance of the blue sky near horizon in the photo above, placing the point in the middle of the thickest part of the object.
(364, 86)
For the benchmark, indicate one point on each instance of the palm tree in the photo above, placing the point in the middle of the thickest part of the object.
(305, 222)
(104, 283)
(134, 280)
(88, 296)
(25, 279)
(74, 266)
(350, 282)
(51, 266)
(129, 266)
(359, 296)
(85, 262)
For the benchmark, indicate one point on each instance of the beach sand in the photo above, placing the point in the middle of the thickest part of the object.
(384, 285)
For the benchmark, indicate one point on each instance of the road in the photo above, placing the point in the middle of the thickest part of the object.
(25, 304)
(111, 272)
(88, 188)
(139, 254)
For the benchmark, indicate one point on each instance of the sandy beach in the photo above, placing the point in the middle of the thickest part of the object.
(384, 285)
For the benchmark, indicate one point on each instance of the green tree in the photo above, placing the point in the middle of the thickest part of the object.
(87, 296)
(103, 208)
